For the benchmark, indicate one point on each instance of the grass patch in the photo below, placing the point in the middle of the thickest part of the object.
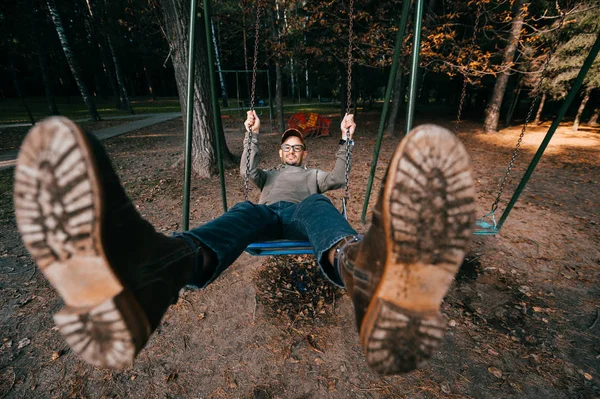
(12, 111)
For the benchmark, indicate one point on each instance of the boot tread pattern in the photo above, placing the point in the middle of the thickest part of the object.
(56, 213)
(400, 341)
(428, 212)
(435, 178)
(53, 197)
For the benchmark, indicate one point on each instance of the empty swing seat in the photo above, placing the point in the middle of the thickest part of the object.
(484, 228)
(280, 247)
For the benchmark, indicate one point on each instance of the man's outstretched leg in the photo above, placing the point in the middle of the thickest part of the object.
(399, 273)
(116, 275)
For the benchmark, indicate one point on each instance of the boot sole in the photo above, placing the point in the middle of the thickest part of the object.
(428, 212)
(58, 207)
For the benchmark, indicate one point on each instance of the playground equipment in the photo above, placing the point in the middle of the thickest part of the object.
(310, 124)
(487, 225)
(241, 104)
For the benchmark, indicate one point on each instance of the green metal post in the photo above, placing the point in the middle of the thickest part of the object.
(270, 101)
(215, 102)
(386, 102)
(414, 66)
(189, 118)
(561, 113)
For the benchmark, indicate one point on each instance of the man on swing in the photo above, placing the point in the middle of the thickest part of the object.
(117, 275)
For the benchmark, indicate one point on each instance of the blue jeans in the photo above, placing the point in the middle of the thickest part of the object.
(315, 219)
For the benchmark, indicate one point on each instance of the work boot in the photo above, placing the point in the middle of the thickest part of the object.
(116, 275)
(399, 273)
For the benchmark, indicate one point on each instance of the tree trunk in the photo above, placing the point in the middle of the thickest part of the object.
(538, 115)
(245, 50)
(343, 90)
(43, 58)
(97, 91)
(594, 118)
(306, 79)
(204, 152)
(65, 90)
(492, 112)
(17, 86)
(586, 98)
(72, 61)
(109, 73)
(149, 84)
(126, 104)
(114, 87)
(44, 69)
(390, 127)
(293, 80)
(219, 70)
(278, 74)
(514, 100)
(298, 91)
(279, 97)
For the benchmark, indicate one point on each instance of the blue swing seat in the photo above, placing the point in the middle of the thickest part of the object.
(280, 247)
(484, 228)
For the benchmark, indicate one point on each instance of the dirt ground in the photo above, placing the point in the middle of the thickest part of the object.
(524, 312)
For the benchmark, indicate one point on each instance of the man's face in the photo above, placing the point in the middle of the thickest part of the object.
(292, 157)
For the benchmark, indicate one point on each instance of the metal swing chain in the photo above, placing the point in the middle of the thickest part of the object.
(537, 91)
(348, 104)
(252, 97)
(465, 79)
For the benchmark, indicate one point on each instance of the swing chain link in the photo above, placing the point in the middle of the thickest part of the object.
(349, 81)
(537, 92)
(347, 173)
(349, 100)
(254, 64)
(464, 71)
(252, 97)
(249, 146)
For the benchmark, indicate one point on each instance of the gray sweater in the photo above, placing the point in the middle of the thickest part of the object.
(292, 183)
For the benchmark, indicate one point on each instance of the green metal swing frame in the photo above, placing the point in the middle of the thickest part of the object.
(484, 227)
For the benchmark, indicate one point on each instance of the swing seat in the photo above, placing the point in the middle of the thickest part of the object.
(484, 228)
(280, 247)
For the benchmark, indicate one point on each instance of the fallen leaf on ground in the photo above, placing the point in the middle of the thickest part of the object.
(495, 372)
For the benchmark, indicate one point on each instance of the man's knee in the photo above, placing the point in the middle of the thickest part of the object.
(243, 206)
(313, 203)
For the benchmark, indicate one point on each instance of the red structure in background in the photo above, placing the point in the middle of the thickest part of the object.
(310, 124)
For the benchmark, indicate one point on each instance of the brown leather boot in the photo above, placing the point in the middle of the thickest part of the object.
(116, 275)
(398, 275)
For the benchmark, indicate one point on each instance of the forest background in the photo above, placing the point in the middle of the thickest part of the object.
(114, 51)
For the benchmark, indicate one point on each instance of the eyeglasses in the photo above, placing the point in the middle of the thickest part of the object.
(295, 147)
